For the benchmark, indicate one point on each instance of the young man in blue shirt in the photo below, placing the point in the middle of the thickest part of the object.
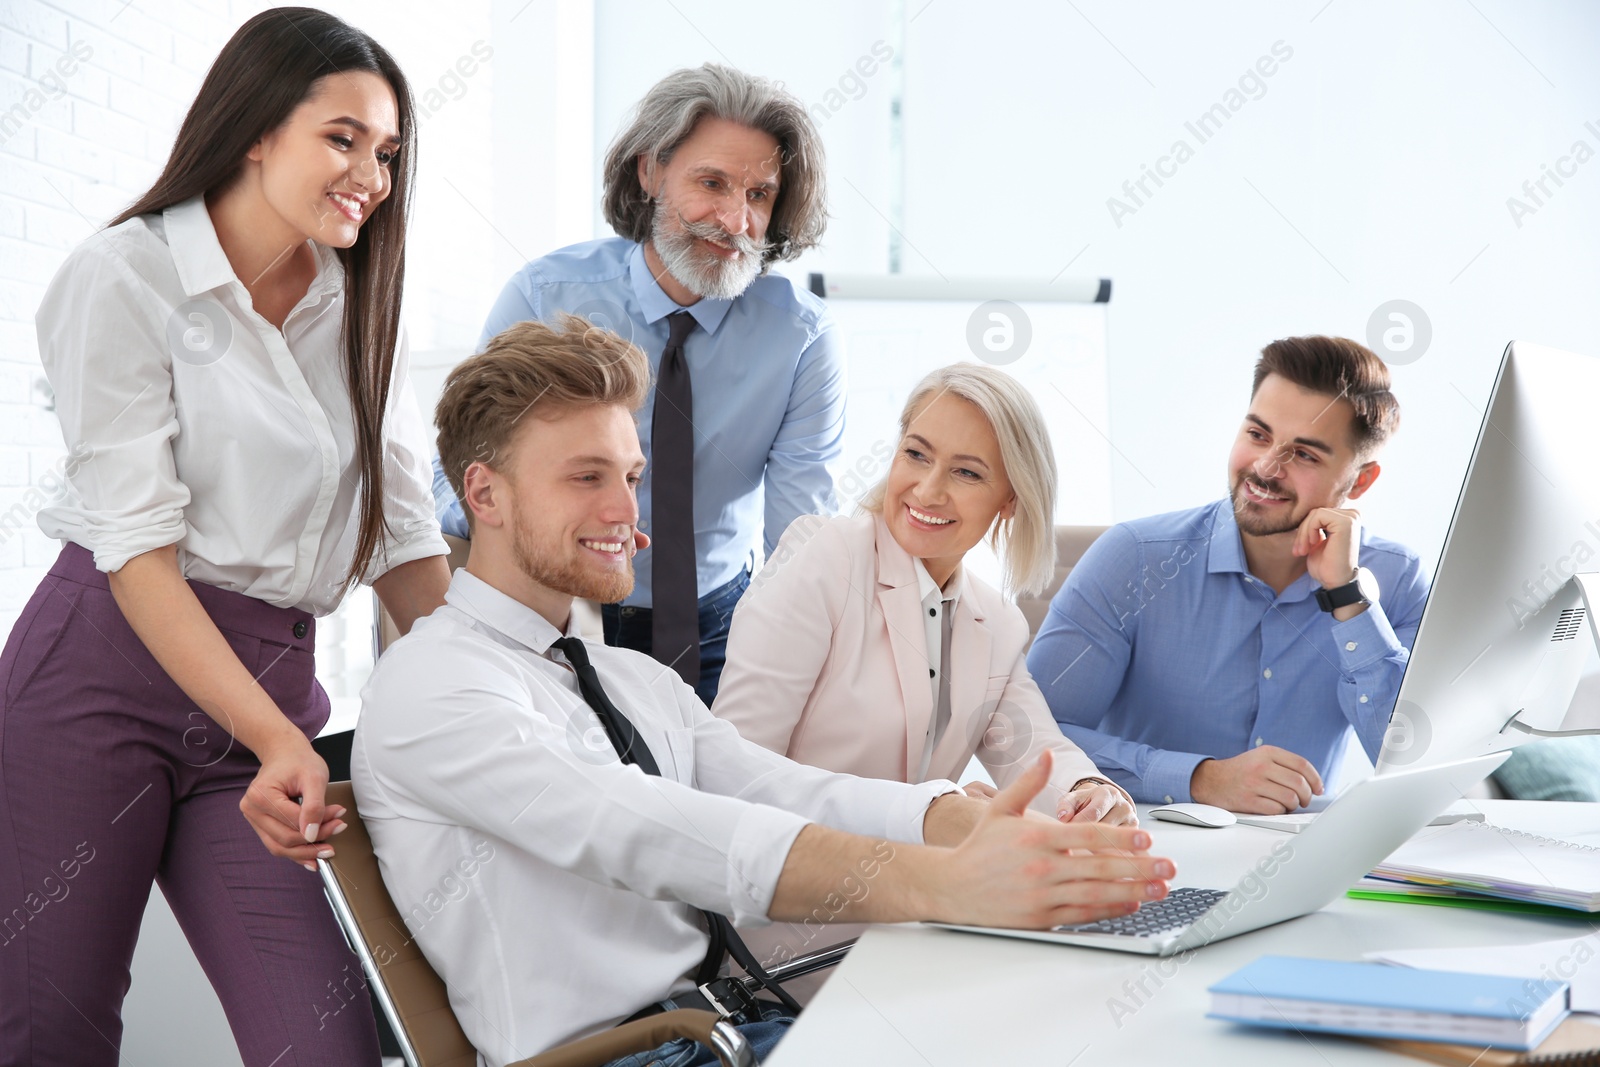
(1223, 653)
(718, 175)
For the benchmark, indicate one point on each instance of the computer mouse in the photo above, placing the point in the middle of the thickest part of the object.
(1207, 815)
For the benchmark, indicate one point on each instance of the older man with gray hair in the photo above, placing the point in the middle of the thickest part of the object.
(718, 175)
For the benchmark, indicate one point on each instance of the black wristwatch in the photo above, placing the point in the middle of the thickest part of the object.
(1362, 589)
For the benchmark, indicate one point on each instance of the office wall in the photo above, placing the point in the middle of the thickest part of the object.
(1374, 164)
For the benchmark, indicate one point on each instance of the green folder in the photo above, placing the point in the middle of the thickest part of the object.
(1489, 903)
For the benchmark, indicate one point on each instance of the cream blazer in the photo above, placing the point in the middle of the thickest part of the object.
(827, 663)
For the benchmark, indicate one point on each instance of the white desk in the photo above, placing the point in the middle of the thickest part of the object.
(921, 997)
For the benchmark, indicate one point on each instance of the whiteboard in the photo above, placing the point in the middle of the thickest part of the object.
(891, 344)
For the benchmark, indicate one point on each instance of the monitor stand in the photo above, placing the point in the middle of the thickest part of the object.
(1588, 586)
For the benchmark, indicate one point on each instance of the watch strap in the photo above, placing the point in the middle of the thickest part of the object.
(1342, 595)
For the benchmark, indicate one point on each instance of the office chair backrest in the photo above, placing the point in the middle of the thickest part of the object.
(410, 992)
(1071, 543)
(388, 633)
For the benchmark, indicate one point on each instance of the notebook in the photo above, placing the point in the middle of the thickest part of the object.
(1573, 960)
(1499, 862)
(1575, 1043)
(1374, 1000)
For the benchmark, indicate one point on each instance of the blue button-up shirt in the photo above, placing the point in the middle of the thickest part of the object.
(768, 374)
(1162, 649)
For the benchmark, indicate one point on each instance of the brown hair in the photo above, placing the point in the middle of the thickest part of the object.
(667, 116)
(1338, 367)
(532, 366)
(265, 71)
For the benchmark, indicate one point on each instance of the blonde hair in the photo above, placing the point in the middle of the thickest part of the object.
(1026, 542)
(530, 368)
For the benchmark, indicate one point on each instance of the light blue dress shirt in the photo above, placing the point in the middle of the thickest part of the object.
(769, 395)
(1161, 650)
(446, 505)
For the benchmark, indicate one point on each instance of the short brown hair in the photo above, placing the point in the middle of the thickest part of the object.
(668, 115)
(531, 367)
(1340, 367)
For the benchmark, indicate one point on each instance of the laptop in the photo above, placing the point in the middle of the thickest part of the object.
(1367, 822)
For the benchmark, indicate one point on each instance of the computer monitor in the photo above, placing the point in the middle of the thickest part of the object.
(1510, 621)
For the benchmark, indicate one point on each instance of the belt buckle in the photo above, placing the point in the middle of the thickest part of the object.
(732, 1001)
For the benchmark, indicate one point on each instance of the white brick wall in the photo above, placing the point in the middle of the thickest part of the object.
(76, 148)
(91, 92)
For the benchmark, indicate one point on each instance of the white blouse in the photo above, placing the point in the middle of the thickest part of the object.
(193, 421)
(938, 610)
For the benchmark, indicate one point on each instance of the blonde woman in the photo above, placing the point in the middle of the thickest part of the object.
(865, 646)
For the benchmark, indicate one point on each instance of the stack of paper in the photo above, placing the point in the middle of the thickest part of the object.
(1508, 864)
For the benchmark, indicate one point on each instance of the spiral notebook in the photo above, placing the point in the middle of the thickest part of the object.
(1499, 862)
(1575, 1043)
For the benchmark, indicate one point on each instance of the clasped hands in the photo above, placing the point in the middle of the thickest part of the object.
(1091, 800)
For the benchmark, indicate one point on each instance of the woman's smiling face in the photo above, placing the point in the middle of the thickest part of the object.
(947, 484)
(327, 168)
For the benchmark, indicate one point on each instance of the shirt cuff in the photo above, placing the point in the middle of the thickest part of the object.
(430, 543)
(907, 813)
(760, 847)
(1365, 640)
(1166, 779)
(112, 553)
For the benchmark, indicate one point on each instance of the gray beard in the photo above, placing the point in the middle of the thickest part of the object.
(694, 269)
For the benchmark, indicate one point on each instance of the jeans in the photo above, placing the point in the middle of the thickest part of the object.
(762, 1036)
(629, 627)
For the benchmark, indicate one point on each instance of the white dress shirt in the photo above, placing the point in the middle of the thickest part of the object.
(199, 423)
(474, 741)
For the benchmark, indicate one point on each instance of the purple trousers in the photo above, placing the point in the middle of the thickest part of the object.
(111, 778)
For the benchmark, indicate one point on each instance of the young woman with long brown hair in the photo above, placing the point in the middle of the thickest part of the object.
(229, 370)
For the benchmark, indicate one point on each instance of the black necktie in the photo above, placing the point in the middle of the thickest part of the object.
(632, 749)
(674, 581)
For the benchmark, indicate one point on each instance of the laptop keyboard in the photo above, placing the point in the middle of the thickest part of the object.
(1181, 908)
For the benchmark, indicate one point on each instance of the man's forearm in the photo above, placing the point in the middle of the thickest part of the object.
(1017, 868)
(833, 876)
(950, 818)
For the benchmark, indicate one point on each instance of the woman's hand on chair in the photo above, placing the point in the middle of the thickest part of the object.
(284, 804)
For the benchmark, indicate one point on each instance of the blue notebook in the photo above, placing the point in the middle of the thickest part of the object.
(1376, 1000)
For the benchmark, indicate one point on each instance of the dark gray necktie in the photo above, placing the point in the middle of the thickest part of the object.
(674, 585)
